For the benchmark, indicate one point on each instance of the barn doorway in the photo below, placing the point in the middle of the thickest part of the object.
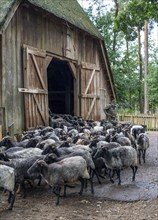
(60, 87)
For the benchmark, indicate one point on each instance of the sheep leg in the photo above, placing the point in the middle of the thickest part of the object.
(24, 189)
(82, 185)
(91, 182)
(97, 175)
(109, 174)
(113, 173)
(144, 152)
(134, 169)
(139, 156)
(10, 196)
(118, 175)
(40, 179)
(11, 200)
(57, 193)
(65, 186)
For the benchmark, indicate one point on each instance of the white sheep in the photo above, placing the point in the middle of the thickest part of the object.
(7, 182)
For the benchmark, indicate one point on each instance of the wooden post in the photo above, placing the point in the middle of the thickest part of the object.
(2, 122)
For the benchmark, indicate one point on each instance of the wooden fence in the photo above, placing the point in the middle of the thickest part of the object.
(149, 120)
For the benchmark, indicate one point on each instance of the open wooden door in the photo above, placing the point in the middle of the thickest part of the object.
(90, 94)
(35, 87)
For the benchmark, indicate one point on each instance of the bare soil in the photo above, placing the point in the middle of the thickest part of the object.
(132, 200)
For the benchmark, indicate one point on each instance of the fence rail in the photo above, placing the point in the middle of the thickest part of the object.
(149, 120)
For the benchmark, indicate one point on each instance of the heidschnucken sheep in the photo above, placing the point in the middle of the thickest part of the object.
(62, 173)
(142, 146)
(7, 182)
(117, 158)
(20, 167)
(137, 129)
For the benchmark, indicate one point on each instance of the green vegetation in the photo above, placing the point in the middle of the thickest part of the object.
(123, 30)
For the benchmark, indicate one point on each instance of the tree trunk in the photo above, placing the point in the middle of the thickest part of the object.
(146, 101)
(116, 13)
(129, 75)
(140, 72)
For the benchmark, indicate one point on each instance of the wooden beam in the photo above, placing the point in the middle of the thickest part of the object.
(34, 96)
(90, 96)
(35, 51)
(73, 69)
(90, 110)
(89, 66)
(90, 80)
(38, 71)
(34, 91)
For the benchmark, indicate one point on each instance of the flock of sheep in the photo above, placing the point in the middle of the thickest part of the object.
(70, 149)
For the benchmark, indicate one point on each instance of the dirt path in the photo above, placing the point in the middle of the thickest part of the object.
(133, 201)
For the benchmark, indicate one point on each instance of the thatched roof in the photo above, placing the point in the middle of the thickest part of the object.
(69, 10)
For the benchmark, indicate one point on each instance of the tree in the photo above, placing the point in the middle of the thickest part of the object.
(121, 27)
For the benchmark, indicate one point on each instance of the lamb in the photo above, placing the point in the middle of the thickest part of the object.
(142, 145)
(117, 158)
(7, 182)
(61, 173)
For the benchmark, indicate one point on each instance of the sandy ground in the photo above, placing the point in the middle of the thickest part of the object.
(132, 200)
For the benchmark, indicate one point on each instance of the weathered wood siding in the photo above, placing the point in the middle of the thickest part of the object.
(41, 30)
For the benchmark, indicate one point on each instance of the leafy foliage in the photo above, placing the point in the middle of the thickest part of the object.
(124, 60)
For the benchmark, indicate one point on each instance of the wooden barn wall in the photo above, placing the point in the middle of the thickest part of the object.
(38, 29)
(105, 88)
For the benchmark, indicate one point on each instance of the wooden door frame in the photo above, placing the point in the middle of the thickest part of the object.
(74, 67)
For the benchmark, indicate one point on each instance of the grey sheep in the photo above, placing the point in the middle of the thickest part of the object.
(121, 139)
(61, 173)
(7, 182)
(142, 146)
(117, 158)
(23, 153)
(20, 167)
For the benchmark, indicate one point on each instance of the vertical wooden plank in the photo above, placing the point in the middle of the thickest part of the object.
(1, 133)
(1, 70)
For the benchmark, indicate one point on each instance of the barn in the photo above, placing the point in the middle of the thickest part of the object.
(52, 58)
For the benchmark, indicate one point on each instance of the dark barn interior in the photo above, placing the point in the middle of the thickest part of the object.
(60, 87)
